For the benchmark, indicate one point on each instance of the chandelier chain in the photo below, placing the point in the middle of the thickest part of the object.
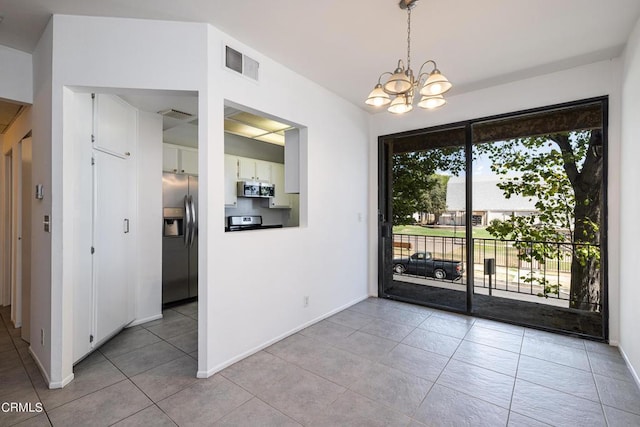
(408, 38)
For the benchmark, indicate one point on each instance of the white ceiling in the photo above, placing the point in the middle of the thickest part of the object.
(9, 111)
(345, 45)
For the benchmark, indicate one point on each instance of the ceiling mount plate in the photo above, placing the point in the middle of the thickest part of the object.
(407, 4)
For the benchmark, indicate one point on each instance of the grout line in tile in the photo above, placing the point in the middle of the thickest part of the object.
(515, 380)
(22, 363)
(137, 412)
(593, 376)
(438, 377)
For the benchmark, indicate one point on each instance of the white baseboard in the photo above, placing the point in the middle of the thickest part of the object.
(144, 320)
(62, 383)
(39, 365)
(221, 366)
(630, 366)
(52, 385)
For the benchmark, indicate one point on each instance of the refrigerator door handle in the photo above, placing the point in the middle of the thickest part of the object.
(194, 222)
(187, 221)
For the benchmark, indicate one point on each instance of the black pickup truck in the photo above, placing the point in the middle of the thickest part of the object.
(423, 264)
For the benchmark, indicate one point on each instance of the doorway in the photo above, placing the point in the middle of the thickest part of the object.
(17, 229)
(128, 205)
(525, 201)
(7, 210)
(424, 215)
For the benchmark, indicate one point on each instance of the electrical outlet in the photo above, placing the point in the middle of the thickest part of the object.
(41, 336)
(306, 301)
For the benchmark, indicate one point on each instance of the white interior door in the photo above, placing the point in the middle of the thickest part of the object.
(113, 285)
(105, 288)
(27, 200)
(16, 238)
(7, 241)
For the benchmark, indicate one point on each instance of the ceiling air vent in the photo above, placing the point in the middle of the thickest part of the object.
(176, 114)
(241, 63)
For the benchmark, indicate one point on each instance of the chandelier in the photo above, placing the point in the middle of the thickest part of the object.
(403, 83)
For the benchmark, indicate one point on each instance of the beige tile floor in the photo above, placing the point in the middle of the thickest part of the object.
(378, 363)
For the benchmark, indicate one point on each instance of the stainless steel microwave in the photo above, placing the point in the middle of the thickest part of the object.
(255, 189)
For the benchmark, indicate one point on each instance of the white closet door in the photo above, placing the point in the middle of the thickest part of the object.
(113, 284)
(114, 121)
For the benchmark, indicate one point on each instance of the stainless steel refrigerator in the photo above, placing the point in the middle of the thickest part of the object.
(179, 237)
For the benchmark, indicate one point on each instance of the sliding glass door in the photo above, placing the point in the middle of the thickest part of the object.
(504, 217)
(425, 221)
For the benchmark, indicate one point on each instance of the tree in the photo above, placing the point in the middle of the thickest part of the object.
(563, 173)
(434, 197)
(415, 186)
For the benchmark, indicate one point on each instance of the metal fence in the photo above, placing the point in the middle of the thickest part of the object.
(539, 269)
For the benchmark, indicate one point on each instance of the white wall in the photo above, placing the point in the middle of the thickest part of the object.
(16, 69)
(149, 201)
(108, 57)
(597, 79)
(43, 157)
(325, 258)
(630, 204)
(240, 309)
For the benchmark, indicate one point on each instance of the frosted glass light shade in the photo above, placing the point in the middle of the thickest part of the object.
(378, 97)
(431, 102)
(401, 105)
(436, 84)
(398, 83)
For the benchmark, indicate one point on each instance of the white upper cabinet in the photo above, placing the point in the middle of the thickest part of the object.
(254, 170)
(246, 169)
(230, 180)
(281, 199)
(178, 159)
(263, 171)
(293, 138)
(189, 161)
(170, 157)
(114, 126)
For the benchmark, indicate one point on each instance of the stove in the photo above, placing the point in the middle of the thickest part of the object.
(247, 222)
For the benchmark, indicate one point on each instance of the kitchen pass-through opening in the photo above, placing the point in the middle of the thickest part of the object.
(263, 170)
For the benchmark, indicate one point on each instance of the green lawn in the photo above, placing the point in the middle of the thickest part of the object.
(416, 230)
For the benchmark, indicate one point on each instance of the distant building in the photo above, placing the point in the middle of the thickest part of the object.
(489, 202)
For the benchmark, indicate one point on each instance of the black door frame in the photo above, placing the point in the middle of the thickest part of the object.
(385, 193)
